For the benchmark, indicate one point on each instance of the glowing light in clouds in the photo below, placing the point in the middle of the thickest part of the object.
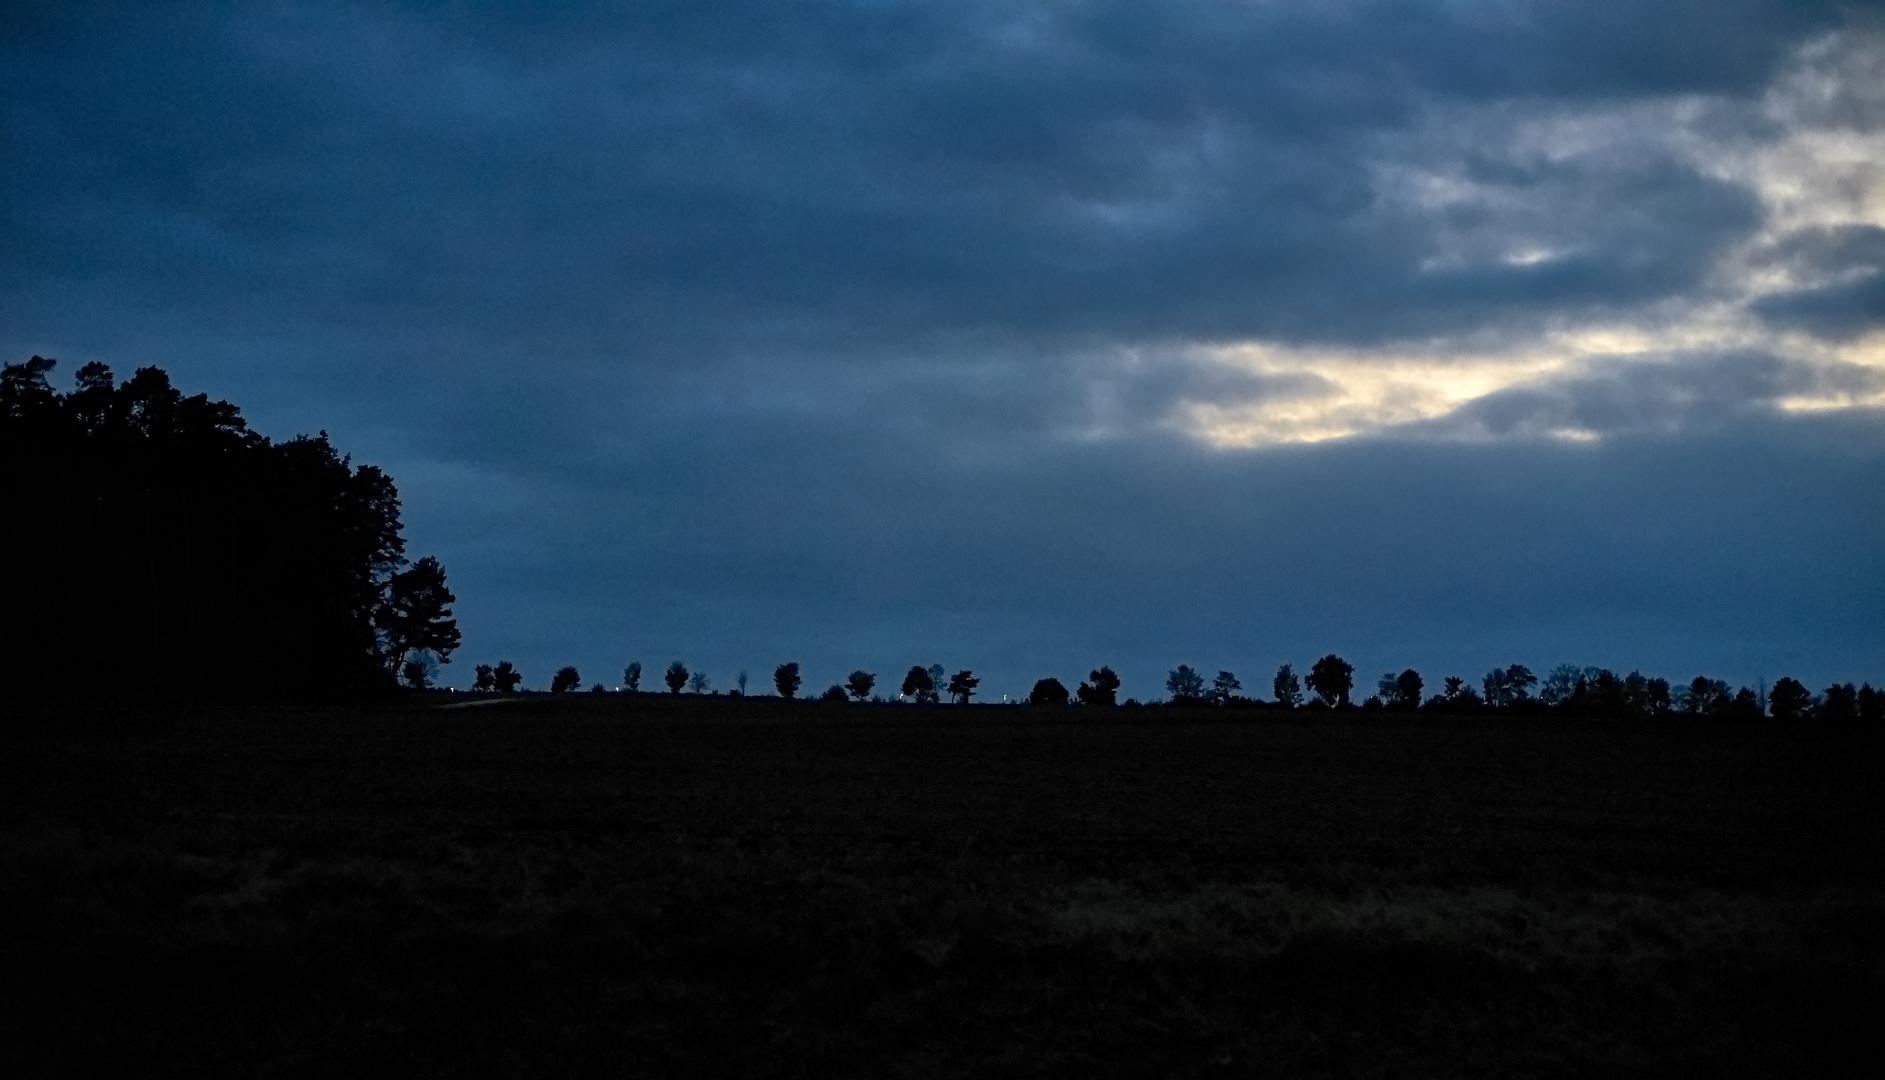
(1825, 169)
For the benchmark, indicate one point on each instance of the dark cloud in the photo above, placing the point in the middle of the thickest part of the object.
(1122, 169)
(1845, 310)
(857, 330)
(1852, 302)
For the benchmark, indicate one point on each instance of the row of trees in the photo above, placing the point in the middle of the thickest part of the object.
(1592, 691)
(923, 685)
(1329, 684)
(203, 558)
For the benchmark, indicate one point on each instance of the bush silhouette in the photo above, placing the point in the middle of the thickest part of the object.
(1048, 692)
(505, 677)
(1101, 688)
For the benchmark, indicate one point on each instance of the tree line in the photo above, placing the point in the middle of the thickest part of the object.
(922, 685)
(1568, 689)
(1329, 684)
(156, 545)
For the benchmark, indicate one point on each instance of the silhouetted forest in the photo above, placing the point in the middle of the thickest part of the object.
(156, 545)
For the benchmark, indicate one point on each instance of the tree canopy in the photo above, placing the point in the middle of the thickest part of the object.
(1048, 693)
(158, 545)
(1331, 678)
(919, 685)
(505, 677)
(1286, 688)
(1225, 687)
(962, 685)
(1101, 688)
(785, 678)
(1184, 684)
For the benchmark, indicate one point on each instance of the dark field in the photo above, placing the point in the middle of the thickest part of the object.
(621, 886)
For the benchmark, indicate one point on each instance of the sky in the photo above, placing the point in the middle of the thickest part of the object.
(1019, 337)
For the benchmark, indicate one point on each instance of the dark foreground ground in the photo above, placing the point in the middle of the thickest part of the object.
(610, 886)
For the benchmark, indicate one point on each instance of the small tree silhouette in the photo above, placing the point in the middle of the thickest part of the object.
(1224, 686)
(1521, 680)
(742, 683)
(631, 676)
(1494, 686)
(1332, 678)
(1459, 694)
(918, 684)
(1789, 699)
(1871, 705)
(963, 685)
(1839, 704)
(417, 614)
(1561, 684)
(415, 674)
(505, 677)
(786, 678)
(676, 677)
(860, 683)
(1102, 688)
(1286, 688)
(833, 695)
(1508, 685)
(1184, 684)
(1599, 693)
(699, 683)
(1745, 706)
(1645, 696)
(1704, 695)
(1048, 692)
(483, 681)
(565, 680)
(1407, 688)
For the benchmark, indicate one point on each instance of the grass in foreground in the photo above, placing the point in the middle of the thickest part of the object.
(612, 886)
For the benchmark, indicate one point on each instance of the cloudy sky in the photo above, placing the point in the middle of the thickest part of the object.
(1022, 337)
